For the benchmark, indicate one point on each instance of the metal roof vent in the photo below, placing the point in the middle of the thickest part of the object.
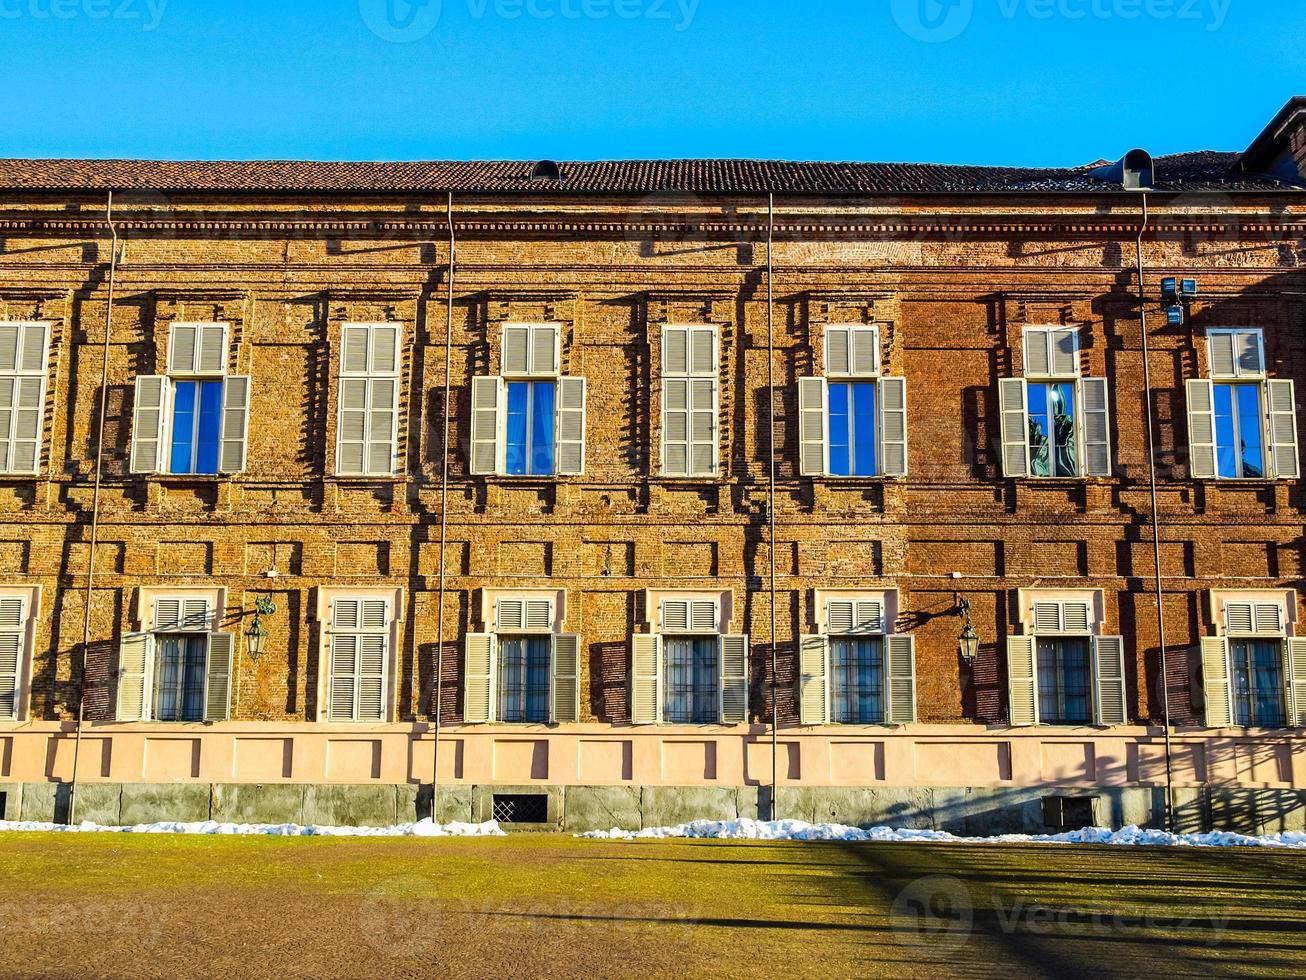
(1135, 171)
(546, 170)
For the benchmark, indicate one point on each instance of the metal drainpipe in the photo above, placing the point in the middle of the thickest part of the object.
(95, 513)
(444, 521)
(770, 508)
(1156, 527)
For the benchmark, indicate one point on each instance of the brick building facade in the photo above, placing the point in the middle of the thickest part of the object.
(273, 427)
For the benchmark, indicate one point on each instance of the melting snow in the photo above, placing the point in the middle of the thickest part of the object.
(799, 830)
(423, 828)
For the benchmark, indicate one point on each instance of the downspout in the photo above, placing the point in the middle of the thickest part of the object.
(1156, 528)
(95, 513)
(770, 507)
(444, 521)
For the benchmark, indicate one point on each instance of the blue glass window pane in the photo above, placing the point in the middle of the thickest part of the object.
(210, 425)
(183, 426)
(1062, 398)
(1040, 429)
(1249, 431)
(1226, 455)
(515, 429)
(840, 431)
(864, 430)
(542, 429)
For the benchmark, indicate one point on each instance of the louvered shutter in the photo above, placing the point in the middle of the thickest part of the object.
(838, 352)
(343, 696)
(675, 616)
(539, 616)
(1013, 406)
(1220, 353)
(382, 422)
(235, 424)
(384, 345)
(870, 616)
(1236, 353)
(197, 349)
(12, 634)
(702, 428)
(566, 679)
(841, 616)
(900, 654)
(864, 351)
(734, 680)
(1239, 618)
(372, 648)
(510, 616)
(135, 666)
(1109, 674)
(645, 679)
(487, 409)
(24, 350)
(812, 400)
(167, 615)
(544, 350)
(1201, 429)
(1295, 679)
(1038, 352)
(148, 417)
(217, 681)
(1022, 681)
(351, 427)
(1268, 617)
(703, 617)
(675, 351)
(515, 355)
(180, 614)
(1281, 397)
(893, 426)
(183, 346)
(1063, 344)
(675, 427)
(1251, 353)
(1095, 397)
(1076, 617)
(571, 426)
(368, 404)
(1216, 682)
(1047, 617)
(478, 678)
(702, 352)
(813, 681)
(211, 352)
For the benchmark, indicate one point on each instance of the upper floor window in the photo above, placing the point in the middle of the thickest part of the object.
(689, 401)
(853, 422)
(688, 672)
(1254, 674)
(195, 418)
(525, 671)
(854, 672)
(367, 433)
(1242, 425)
(1062, 671)
(24, 351)
(1055, 423)
(180, 668)
(529, 420)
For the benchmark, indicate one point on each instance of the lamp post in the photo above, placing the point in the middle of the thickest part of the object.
(969, 641)
(257, 634)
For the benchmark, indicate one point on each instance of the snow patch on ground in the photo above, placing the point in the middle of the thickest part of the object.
(785, 830)
(423, 828)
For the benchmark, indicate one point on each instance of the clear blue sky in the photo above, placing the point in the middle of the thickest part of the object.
(1039, 82)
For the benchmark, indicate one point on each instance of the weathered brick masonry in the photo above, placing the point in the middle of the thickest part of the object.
(951, 280)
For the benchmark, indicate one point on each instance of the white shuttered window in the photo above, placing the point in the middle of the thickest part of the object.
(368, 405)
(24, 351)
(689, 401)
(360, 655)
(13, 645)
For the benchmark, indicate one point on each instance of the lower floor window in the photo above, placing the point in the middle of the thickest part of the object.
(524, 679)
(1257, 682)
(1064, 682)
(179, 667)
(857, 681)
(692, 672)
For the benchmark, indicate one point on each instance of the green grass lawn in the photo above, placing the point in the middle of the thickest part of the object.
(553, 906)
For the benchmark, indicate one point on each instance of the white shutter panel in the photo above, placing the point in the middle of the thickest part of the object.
(1220, 353)
(702, 428)
(1022, 681)
(487, 409)
(1014, 409)
(183, 346)
(1076, 617)
(384, 348)
(539, 616)
(838, 351)
(1047, 617)
(34, 348)
(1215, 681)
(702, 352)
(135, 659)
(351, 427)
(23, 434)
(10, 334)
(571, 426)
(12, 635)
(1063, 344)
(870, 616)
(734, 680)
(1295, 676)
(1109, 674)
(1268, 617)
(342, 704)
(515, 356)
(196, 616)
(900, 659)
(703, 617)
(893, 426)
(675, 427)
(1038, 352)
(1201, 429)
(345, 614)
(167, 615)
(841, 616)
(217, 679)
(1281, 398)
(566, 679)
(1239, 618)
(544, 350)
(645, 679)
(235, 424)
(1251, 353)
(812, 440)
(675, 616)
(510, 616)
(211, 349)
(372, 656)
(355, 345)
(149, 414)
(478, 678)
(864, 352)
(1095, 397)
(375, 614)
(675, 351)
(382, 425)
(813, 681)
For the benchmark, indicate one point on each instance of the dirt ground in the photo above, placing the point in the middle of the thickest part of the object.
(536, 906)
